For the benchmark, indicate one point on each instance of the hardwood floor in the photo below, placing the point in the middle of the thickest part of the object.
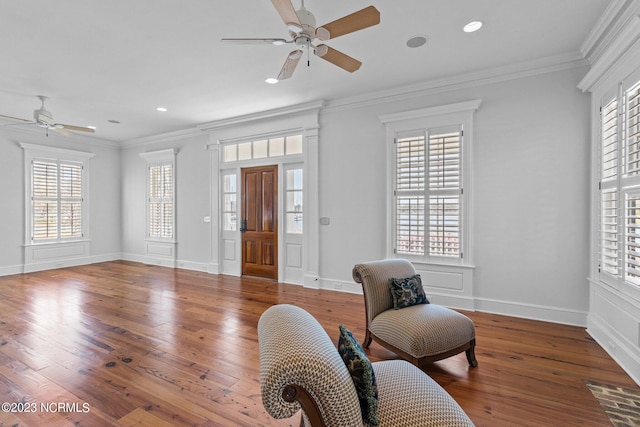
(124, 344)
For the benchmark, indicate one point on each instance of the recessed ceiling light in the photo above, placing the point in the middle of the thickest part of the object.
(272, 80)
(162, 109)
(416, 41)
(472, 26)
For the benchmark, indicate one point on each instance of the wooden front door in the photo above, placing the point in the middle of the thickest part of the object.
(259, 223)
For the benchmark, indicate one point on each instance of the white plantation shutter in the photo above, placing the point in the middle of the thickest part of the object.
(429, 193)
(44, 200)
(410, 225)
(632, 238)
(609, 148)
(609, 138)
(609, 252)
(444, 192)
(410, 185)
(632, 129)
(631, 134)
(161, 193)
(56, 200)
(70, 200)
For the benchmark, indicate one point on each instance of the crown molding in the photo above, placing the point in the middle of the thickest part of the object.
(163, 137)
(463, 81)
(607, 26)
(624, 40)
(262, 115)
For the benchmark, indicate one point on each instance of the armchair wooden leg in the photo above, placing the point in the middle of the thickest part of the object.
(367, 339)
(471, 355)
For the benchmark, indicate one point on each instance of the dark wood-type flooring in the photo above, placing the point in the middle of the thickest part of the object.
(124, 344)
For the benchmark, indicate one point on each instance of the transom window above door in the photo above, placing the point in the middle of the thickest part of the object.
(262, 149)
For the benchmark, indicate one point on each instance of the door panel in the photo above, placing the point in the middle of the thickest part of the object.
(260, 220)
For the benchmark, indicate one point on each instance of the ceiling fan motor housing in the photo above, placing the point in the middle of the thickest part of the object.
(42, 116)
(308, 22)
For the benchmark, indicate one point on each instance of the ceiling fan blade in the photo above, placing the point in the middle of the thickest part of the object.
(290, 64)
(276, 42)
(16, 118)
(367, 17)
(62, 131)
(287, 13)
(76, 128)
(338, 58)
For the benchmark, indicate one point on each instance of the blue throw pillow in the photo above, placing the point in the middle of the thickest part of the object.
(362, 374)
(407, 292)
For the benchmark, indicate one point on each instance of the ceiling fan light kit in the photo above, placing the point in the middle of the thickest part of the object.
(303, 32)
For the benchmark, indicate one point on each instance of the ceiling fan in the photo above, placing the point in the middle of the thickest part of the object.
(303, 32)
(43, 118)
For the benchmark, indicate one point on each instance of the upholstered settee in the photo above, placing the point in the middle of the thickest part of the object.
(300, 368)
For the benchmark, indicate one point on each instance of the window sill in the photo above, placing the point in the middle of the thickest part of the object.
(441, 264)
(62, 243)
(154, 240)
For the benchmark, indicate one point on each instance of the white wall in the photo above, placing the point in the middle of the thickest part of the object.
(104, 201)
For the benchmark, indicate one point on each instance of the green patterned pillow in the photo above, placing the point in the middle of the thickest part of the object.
(407, 292)
(362, 375)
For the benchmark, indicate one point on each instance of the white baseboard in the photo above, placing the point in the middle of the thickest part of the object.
(463, 302)
(52, 265)
(106, 258)
(194, 266)
(11, 269)
(339, 285)
(532, 311)
(151, 260)
(132, 257)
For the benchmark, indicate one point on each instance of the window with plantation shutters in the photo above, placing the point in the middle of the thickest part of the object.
(428, 193)
(429, 177)
(161, 201)
(56, 200)
(619, 187)
(161, 195)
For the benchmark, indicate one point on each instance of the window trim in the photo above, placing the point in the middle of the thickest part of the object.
(398, 124)
(33, 152)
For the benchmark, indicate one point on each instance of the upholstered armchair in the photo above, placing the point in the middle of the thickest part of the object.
(301, 368)
(420, 333)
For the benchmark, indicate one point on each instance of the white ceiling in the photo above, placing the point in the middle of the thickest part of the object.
(120, 59)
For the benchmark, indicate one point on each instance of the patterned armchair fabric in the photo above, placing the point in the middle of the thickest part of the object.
(421, 333)
(376, 276)
(295, 350)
